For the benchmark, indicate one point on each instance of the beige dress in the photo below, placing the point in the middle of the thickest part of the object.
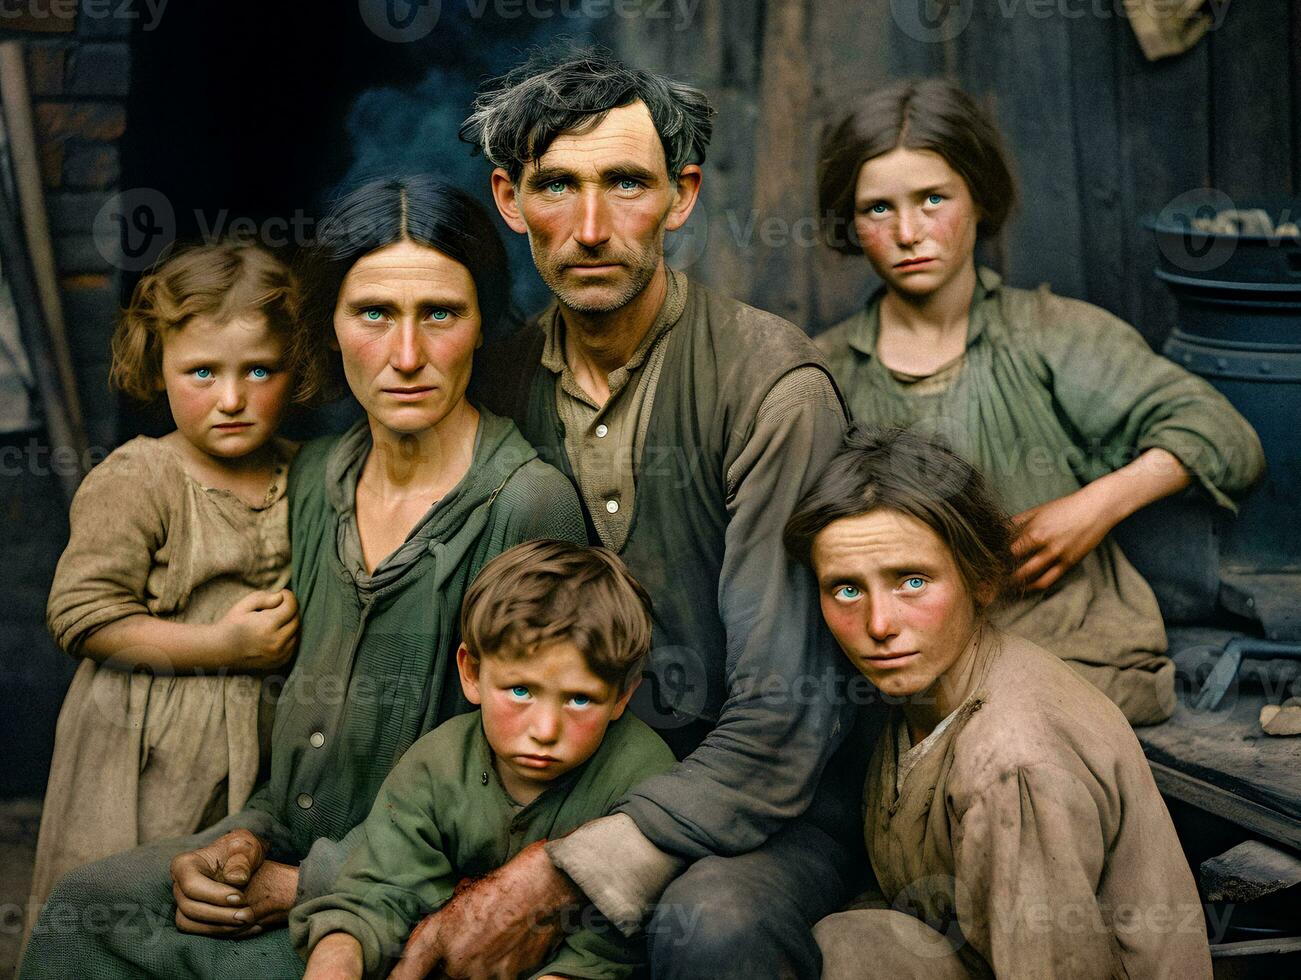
(1026, 838)
(139, 757)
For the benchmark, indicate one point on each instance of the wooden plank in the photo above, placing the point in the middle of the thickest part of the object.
(1097, 128)
(1226, 805)
(1165, 152)
(783, 201)
(1247, 872)
(1251, 112)
(1012, 59)
(850, 58)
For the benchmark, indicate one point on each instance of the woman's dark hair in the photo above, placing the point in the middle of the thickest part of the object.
(419, 209)
(517, 116)
(898, 470)
(930, 114)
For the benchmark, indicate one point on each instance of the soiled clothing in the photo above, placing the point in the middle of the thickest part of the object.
(375, 671)
(1050, 394)
(602, 442)
(140, 757)
(742, 417)
(443, 815)
(1031, 836)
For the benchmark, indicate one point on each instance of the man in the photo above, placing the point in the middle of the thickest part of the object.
(690, 424)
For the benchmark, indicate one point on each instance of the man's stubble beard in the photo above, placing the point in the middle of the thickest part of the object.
(640, 268)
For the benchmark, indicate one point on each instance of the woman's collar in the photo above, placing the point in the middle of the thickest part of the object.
(865, 326)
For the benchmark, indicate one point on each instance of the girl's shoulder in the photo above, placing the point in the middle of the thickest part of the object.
(144, 463)
(1041, 314)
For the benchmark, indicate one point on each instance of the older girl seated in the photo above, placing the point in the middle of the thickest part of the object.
(1011, 818)
(1064, 407)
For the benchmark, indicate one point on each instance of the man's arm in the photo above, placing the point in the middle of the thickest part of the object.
(761, 763)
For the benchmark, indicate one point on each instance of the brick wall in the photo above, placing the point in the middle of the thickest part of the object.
(79, 72)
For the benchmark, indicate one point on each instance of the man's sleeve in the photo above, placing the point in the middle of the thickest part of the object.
(760, 765)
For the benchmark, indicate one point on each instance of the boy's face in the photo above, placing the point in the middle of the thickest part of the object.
(543, 714)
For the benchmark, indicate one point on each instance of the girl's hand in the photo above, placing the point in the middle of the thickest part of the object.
(336, 957)
(1053, 537)
(261, 630)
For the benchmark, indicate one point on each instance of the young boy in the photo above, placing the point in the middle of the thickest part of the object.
(553, 639)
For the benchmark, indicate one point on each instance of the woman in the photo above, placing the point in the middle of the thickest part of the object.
(1064, 407)
(1011, 818)
(389, 524)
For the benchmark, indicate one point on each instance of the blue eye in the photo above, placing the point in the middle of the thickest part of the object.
(628, 184)
(877, 208)
(519, 691)
(935, 199)
(848, 592)
(581, 700)
(556, 186)
(440, 314)
(372, 315)
(914, 584)
(260, 373)
(203, 374)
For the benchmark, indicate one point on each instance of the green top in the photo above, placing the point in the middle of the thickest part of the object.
(376, 667)
(442, 814)
(1050, 394)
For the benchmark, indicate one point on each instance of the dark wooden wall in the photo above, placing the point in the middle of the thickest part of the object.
(1100, 135)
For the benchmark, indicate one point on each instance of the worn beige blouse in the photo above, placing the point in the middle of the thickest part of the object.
(141, 757)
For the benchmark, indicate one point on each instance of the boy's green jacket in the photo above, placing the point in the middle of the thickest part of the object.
(442, 815)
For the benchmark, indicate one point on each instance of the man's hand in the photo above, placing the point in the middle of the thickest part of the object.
(229, 889)
(261, 630)
(1053, 537)
(208, 885)
(335, 957)
(495, 928)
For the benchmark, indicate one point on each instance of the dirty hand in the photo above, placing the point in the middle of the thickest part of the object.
(497, 927)
(209, 886)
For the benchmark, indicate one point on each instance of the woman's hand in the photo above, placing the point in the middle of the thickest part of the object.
(261, 630)
(336, 957)
(228, 889)
(1053, 537)
(208, 885)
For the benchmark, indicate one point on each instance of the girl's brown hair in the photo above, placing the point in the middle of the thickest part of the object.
(543, 591)
(894, 469)
(221, 280)
(930, 114)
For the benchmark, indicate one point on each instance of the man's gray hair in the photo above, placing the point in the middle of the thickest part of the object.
(517, 116)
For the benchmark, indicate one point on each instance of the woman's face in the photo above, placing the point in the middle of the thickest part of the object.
(915, 220)
(893, 598)
(407, 324)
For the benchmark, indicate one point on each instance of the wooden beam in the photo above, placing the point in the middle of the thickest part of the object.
(1226, 805)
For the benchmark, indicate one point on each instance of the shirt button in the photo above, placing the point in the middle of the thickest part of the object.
(612, 506)
(602, 431)
(317, 739)
(304, 801)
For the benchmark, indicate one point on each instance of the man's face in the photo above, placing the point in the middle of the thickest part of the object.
(595, 206)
